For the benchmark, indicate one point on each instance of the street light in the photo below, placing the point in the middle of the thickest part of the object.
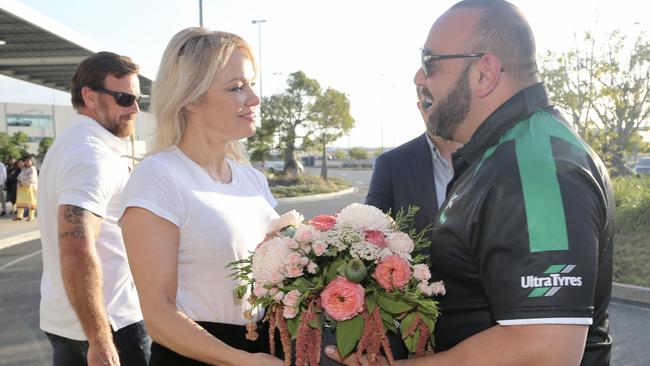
(200, 13)
(259, 39)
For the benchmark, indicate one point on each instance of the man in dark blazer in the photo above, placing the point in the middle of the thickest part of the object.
(415, 173)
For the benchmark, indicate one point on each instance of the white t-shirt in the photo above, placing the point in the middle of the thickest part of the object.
(218, 223)
(3, 174)
(84, 168)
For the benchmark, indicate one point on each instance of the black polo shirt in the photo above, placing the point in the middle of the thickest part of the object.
(525, 235)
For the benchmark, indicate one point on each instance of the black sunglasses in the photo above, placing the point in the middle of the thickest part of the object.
(428, 59)
(123, 99)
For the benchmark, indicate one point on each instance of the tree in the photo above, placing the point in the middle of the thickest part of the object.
(358, 154)
(340, 154)
(43, 146)
(297, 118)
(605, 88)
(331, 121)
(14, 146)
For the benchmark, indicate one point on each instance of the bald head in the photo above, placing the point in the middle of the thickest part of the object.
(498, 27)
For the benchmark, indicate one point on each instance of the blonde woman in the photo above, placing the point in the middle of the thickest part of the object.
(26, 192)
(196, 204)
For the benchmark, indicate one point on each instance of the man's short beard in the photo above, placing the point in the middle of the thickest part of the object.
(449, 114)
(119, 127)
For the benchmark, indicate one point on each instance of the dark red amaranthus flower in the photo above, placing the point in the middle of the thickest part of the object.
(373, 339)
(308, 344)
(277, 321)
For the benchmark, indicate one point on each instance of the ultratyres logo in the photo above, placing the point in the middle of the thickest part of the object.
(556, 277)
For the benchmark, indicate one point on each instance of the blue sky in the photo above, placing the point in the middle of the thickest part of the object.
(366, 49)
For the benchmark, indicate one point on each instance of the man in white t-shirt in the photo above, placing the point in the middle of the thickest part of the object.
(89, 305)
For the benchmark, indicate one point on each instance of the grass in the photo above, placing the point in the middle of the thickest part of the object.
(305, 186)
(632, 237)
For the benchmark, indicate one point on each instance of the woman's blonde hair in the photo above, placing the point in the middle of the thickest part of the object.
(193, 57)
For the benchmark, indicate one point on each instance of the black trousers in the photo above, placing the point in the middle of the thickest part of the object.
(132, 343)
(232, 335)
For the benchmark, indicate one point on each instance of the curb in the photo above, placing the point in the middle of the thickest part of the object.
(19, 239)
(631, 293)
(316, 197)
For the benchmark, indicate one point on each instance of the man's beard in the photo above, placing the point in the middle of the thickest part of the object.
(119, 126)
(451, 111)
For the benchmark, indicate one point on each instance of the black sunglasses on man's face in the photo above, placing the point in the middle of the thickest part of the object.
(428, 59)
(123, 99)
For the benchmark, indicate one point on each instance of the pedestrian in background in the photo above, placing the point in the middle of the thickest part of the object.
(27, 190)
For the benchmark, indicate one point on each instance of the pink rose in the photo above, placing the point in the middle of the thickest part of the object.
(290, 312)
(425, 288)
(319, 248)
(294, 271)
(392, 272)
(312, 267)
(323, 222)
(342, 299)
(260, 291)
(278, 296)
(421, 272)
(293, 259)
(376, 237)
(305, 233)
(306, 248)
(291, 298)
(304, 261)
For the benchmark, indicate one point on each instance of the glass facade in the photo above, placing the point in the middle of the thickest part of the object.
(30, 120)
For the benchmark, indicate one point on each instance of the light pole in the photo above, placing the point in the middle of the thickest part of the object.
(259, 39)
(200, 13)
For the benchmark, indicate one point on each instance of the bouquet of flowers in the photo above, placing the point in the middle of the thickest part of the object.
(354, 272)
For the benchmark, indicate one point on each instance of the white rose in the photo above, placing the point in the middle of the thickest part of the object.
(400, 244)
(290, 218)
(421, 272)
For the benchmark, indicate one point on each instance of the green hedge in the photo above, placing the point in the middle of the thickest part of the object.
(305, 186)
(632, 238)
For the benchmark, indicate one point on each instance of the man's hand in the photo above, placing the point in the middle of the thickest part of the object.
(351, 360)
(103, 353)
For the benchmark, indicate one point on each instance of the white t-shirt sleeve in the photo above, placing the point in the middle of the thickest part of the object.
(88, 183)
(152, 187)
(264, 188)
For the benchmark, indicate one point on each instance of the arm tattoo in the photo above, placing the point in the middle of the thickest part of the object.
(75, 216)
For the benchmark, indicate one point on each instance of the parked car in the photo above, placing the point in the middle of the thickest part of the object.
(642, 167)
(642, 170)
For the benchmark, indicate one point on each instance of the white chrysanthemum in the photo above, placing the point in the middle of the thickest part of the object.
(290, 218)
(363, 217)
(269, 261)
